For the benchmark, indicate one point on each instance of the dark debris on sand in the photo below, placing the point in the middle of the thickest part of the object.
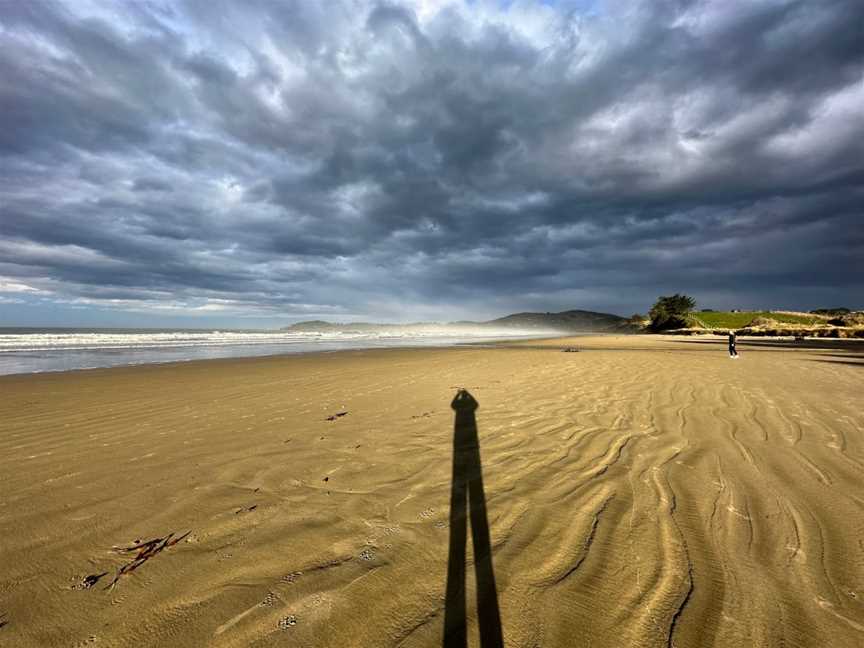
(89, 581)
(337, 415)
(144, 551)
(287, 622)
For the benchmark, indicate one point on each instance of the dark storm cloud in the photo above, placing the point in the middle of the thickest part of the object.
(399, 159)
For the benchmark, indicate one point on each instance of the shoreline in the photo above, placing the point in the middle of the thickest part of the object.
(817, 342)
(281, 353)
(226, 360)
(490, 343)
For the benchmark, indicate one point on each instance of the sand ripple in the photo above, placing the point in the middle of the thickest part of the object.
(642, 492)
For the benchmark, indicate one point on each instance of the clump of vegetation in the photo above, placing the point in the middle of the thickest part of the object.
(637, 319)
(848, 319)
(671, 312)
(763, 321)
(832, 312)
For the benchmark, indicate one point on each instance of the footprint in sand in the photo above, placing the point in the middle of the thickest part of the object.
(428, 513)
(118, 599)
(269, 600)
(737, 512)
(292, 577)
(287, 622)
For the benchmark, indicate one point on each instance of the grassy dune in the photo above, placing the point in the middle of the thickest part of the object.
(725, 319)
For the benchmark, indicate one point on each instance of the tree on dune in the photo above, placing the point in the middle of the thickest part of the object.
(671, 312)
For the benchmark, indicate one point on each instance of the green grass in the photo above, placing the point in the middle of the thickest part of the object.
(721, 319)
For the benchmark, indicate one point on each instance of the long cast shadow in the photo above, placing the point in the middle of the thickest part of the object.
(467, 492)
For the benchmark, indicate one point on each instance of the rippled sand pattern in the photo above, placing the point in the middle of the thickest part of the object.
(641, 492)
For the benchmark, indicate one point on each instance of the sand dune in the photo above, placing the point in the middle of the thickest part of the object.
(642, 492)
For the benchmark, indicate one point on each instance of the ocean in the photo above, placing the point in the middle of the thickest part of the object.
(33, 350)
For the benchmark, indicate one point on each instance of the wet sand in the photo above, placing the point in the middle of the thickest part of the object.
(642, 492)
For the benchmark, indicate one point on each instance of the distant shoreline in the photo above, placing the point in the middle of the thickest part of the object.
(22, 361)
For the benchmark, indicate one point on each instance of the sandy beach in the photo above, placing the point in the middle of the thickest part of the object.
(645, 491)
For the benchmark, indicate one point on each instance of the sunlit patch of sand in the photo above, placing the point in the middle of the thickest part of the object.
(641, 492)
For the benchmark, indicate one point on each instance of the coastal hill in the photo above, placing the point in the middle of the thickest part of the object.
(568, 321)
(571, 321)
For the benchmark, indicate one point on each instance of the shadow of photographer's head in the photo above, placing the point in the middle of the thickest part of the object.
(464, 401)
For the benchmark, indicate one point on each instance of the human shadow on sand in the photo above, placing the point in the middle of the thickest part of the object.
(467, 493)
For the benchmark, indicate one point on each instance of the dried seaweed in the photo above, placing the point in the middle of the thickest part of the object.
(335, 416)
(144, 551)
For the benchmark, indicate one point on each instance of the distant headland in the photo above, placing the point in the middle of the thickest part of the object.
(570, 321)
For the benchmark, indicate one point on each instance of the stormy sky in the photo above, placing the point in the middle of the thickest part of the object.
(254, 163)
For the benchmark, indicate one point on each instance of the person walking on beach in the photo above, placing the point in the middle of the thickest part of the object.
(733, 353)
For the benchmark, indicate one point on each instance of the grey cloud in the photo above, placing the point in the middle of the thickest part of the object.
(356, 154)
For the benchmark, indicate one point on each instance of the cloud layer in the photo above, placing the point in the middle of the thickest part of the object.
(428, 160)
